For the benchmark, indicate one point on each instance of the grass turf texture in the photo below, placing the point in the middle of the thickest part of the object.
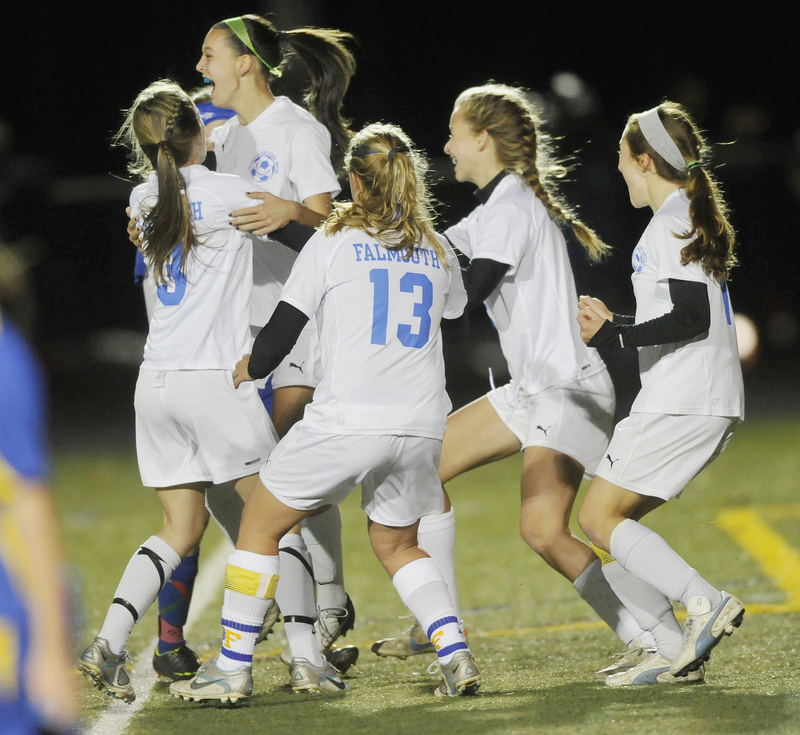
(536, 642)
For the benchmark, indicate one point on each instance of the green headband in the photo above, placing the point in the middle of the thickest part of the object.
(240, 29)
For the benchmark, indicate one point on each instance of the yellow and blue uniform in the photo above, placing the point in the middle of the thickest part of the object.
(23, 461)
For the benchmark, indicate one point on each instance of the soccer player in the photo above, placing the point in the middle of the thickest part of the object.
(691, 399)
(377, 418)
(290, 155)
(192, 428)
(37, 691)
(558, 407)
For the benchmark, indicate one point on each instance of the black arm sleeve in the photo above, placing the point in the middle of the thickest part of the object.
(276, 339)
(481, 277)
(293, 235)
(690, 317)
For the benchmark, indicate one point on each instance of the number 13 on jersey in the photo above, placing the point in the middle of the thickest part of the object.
(410, 283)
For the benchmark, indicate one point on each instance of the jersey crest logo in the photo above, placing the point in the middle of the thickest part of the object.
(263, 167)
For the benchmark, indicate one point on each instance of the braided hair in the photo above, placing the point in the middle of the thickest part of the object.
(525, 149)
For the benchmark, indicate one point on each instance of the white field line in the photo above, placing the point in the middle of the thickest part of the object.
(206, 589)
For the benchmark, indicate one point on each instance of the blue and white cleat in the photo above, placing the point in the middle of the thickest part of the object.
(653, 670)
(704, 628)
(412, 642)
(459, 677)
(305, 677)
(212, 684)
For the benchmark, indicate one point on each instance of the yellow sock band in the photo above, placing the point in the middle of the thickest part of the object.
(604, 556)
(248, 582)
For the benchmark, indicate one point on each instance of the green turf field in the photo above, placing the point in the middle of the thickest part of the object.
(536, 642)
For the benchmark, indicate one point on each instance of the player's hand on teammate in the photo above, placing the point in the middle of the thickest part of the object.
(591, 315)
(134, 229)
(270, 214)
(240, 372)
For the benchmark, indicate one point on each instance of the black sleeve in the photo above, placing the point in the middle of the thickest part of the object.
(481, 277)
(455, 330)
(276, 339)
(293, 235)
(690, 317)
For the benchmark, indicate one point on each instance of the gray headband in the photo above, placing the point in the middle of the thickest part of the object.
(659, 139)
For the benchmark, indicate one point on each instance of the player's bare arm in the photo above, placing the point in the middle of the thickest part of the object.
(272, 213)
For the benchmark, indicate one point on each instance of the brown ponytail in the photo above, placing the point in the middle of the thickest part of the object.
(711, 237)
(325, 55)
(161, 130)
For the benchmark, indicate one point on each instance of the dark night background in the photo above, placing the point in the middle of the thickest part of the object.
(66, 264)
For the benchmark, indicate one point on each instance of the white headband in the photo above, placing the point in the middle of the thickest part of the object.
(659, 139)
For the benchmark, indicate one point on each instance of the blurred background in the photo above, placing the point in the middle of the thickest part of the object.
(66, 266)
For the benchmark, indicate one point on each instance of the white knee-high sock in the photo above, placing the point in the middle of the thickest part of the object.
(422, 589)
(594, 589)
(295, 598)
(323, 536)
(437, 538)
(147, 572)
(647, 555)
(250, 584)
(651, 609)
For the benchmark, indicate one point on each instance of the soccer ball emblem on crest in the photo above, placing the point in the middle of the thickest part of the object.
(263, 167)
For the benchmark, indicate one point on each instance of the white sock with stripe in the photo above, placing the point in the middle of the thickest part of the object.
(437, 538)
(250, 584)
(422, 589)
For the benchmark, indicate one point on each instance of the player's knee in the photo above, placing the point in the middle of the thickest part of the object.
(590, 525)
(540, 535)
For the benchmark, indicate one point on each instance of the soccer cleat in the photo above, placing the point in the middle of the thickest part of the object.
(633, 656)
(703, 629)
(459, 677)
(305, 677)
(343, 658)
(334, 622)
(212, 684)
(653, 670)
(411, 642)
(179, 663)
(107, 670)
(272, 617)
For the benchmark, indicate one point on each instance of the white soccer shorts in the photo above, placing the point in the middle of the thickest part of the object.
(658, 454)
(576, 421)
(398, 475)
(194, 426)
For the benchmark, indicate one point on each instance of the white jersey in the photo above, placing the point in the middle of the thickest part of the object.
(535, 306)
(697, 376)
(380, 342)
(286, 152)
(200, 318)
